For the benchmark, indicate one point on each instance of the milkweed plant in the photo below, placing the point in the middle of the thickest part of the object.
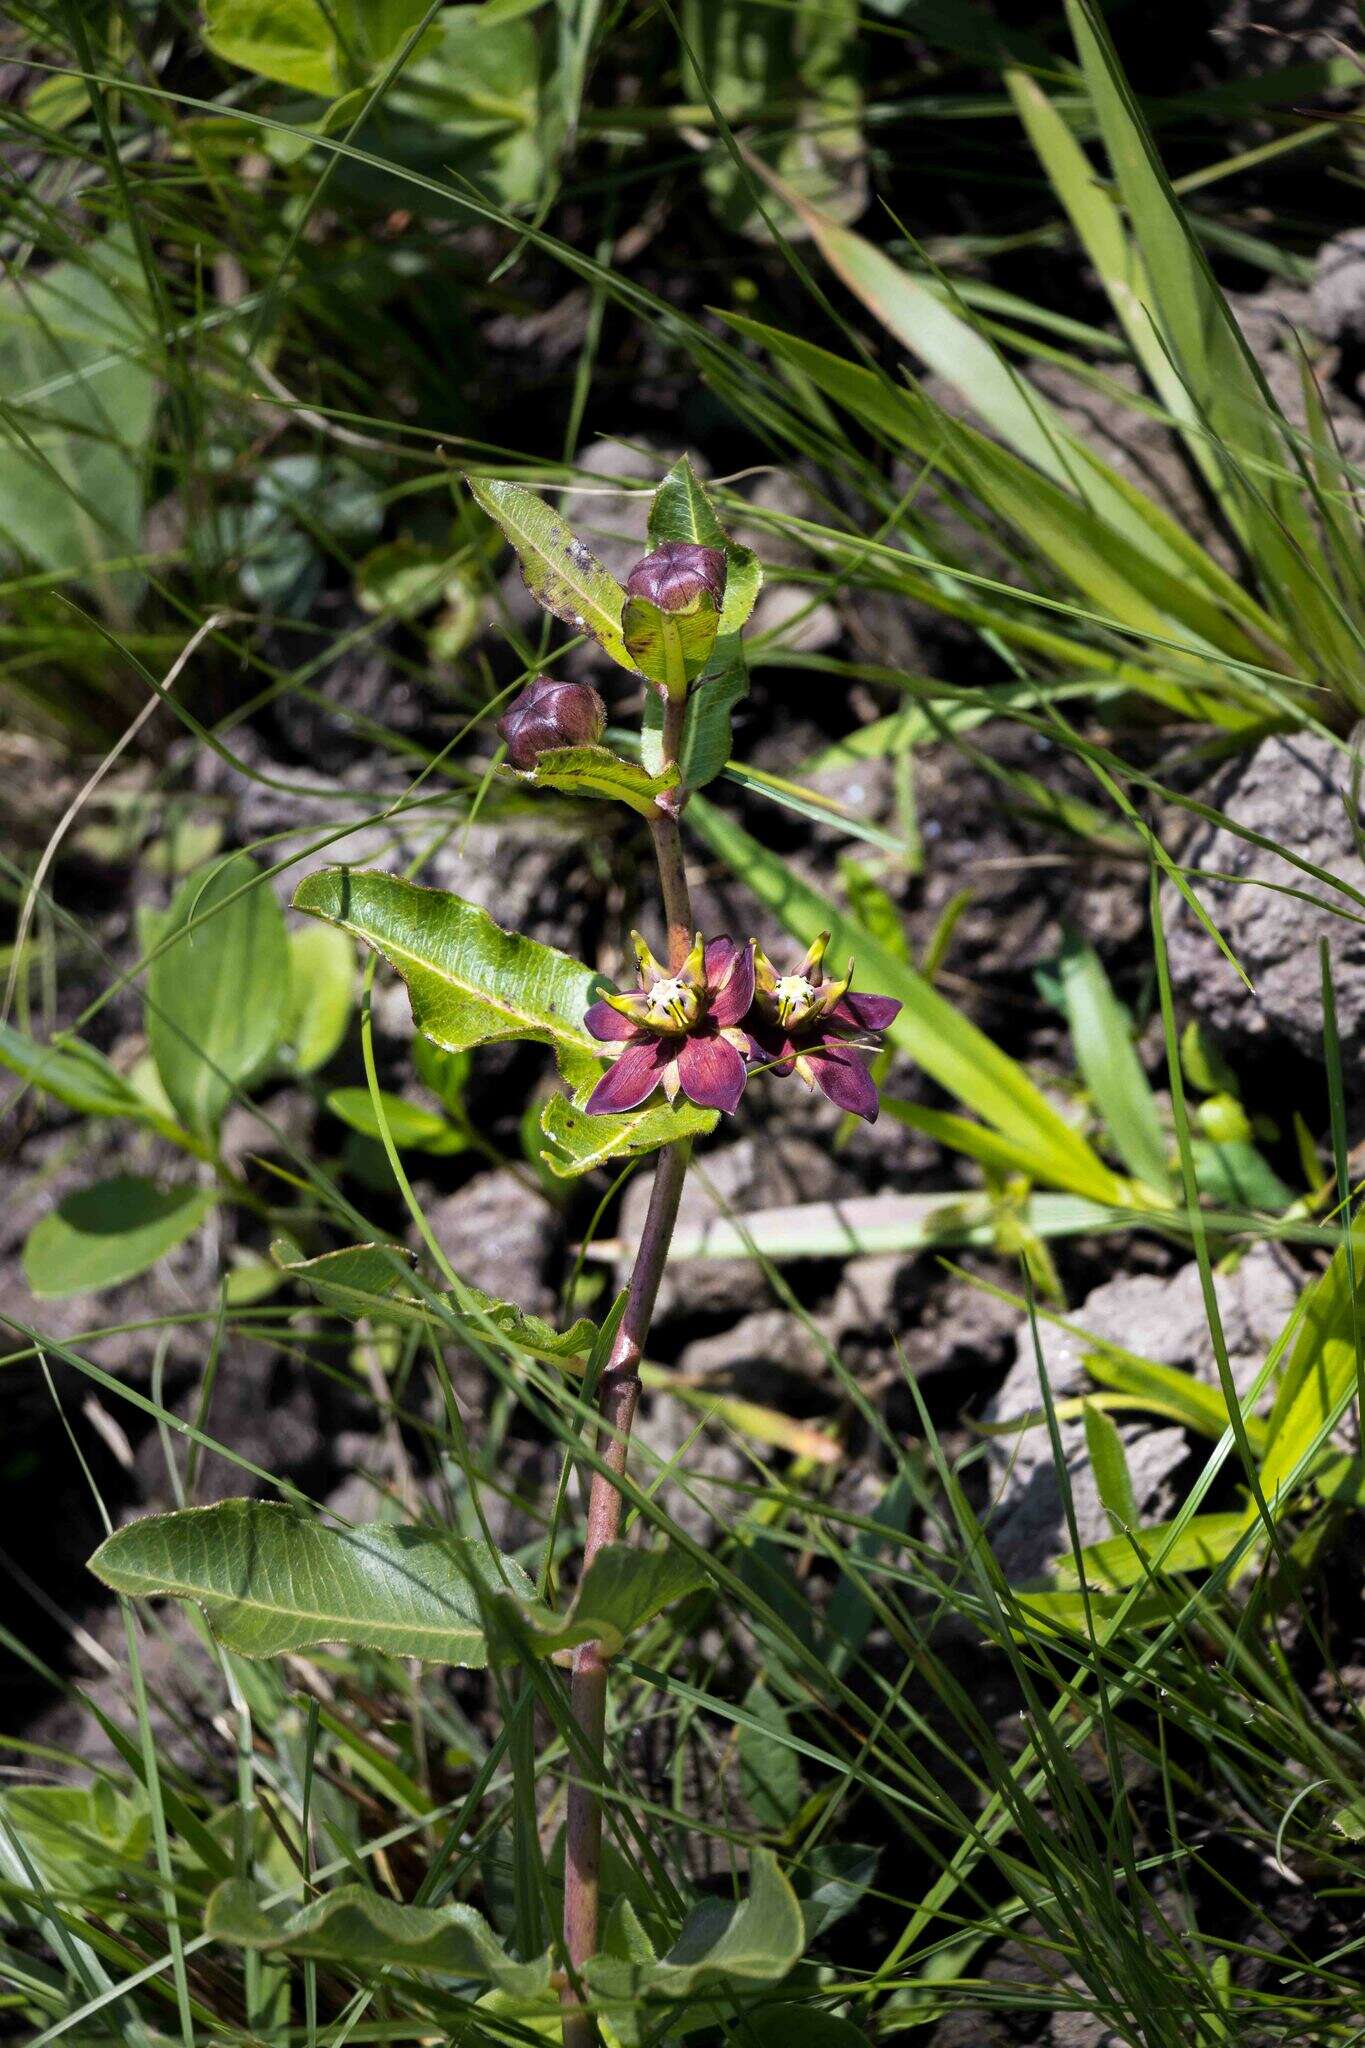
(647, 1070)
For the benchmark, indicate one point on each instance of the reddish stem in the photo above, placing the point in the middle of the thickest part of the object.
(616, 1403)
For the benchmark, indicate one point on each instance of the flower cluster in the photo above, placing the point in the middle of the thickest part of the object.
(727, 1013)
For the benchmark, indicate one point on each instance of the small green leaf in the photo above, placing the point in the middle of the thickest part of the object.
(622, 1589)
(721, 1947)
(412, 1128)
(1110, 1464)
(362, 1932)
(670, 648)
(579, 1142)
(321, 995)
(272, 1578)
(470, 982)
(110, 1233)
(682, 510)
(597, 772)
(74, 1073)
(217, 994)
(769, 1771)
(560, 572)
(1101, 1033)
(706, 736)
(1128, 1560)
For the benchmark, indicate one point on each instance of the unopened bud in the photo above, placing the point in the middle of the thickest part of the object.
(678, 575)
(550, 714)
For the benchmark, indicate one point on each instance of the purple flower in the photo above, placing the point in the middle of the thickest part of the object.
(801, 1023)
(678, 574)
(550, 714)
(679, 1030)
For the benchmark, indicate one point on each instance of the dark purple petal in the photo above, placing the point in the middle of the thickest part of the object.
(867, 1013)
(605, 1022)
(712, 1072)
(841, 1075)
(770, 1047)
(732, 998)
(632, 1078)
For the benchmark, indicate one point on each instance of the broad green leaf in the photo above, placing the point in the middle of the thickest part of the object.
(109, 1233)
(669, 648)
(1322, 1371)
(272, 1578)
(1166, 1390)
(597, 772)
(579, 1142)
(1239, 1176)
(959, 1056)
(411, 1127)
(217, 994)
(319, 46)
(769, 1770)
(1109, 1462)
(74, 1073)
(561, 573)
(470, 982)
(365, 1933)
(706, 736)
(1101, 1034)
(369, 1280)
(1128, 1560)
(682, 510)
(321, 995)
(622, 1589)
(80, 1837)
(76, 366)
(721, 1947)
(478, 102)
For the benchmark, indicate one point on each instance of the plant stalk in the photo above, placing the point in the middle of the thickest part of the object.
(617, 1398)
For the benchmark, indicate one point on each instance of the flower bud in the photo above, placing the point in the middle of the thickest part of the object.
(550, 714)
(678, 574)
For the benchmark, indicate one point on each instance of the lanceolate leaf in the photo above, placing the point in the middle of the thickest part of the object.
(682, 510)
(360, 1931)
(720, 1947)
(271, 1578)
(368, 1280)
(579, 1142)
(706, 721)
(670, 648)
(109, 1233)
(622, 1589)
(470, 982)
(597, 772)
(217, 989)
(561, 573)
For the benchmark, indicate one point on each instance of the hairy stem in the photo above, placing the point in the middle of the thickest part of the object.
(616, 1403)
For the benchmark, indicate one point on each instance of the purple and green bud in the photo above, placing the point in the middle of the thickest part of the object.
(679, 575)
(550, 714)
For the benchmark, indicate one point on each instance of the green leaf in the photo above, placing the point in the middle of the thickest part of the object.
(721, 1947)
(411, 1127)
(217, 993)
(1166, 1390)
(706, 739)
(1237, 1175)
(1322, 1372)
(74, 1073)
(1101, 1033)
(577, 1142)
(1128, 1560)
(110, 1233)
(272, 1578)
(560, 572)
(321, 995)
(470, 982)
(622, 1589)
(1110, 1465)
(669, 648)
(319, 46)
(368, 1280)
(959, 1056)
(80, 1837)
(597, 772)
(363, 1932)
(682, 510)
(769, 1771)
(76, 365)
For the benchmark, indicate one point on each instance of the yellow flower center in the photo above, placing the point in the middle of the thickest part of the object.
(672, 1005)
(795, 998)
